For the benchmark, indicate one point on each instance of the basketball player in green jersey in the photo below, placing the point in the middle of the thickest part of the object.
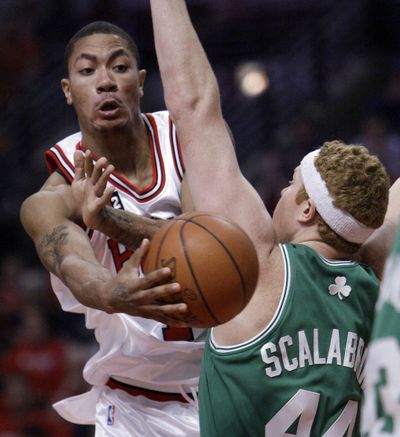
(381, 408)
(291, 363)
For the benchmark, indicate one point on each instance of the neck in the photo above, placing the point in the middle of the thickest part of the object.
(327, 251)
(127, 150)
(312, 239)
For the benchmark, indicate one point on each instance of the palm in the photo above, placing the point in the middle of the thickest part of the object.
(89, 187)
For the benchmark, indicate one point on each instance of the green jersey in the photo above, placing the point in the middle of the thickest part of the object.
(302, 375)
(381, 408)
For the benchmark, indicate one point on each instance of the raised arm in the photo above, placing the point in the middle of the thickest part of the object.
(192, 98)
(376, 249)
(49, 216)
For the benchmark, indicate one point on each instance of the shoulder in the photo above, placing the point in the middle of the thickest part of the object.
(60, 156)
(160, 126)
(159, 117)
(69, 142)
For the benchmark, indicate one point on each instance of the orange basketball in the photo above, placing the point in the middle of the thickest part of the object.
(214, 261)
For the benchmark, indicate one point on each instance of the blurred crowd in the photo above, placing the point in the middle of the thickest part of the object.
(334, 72)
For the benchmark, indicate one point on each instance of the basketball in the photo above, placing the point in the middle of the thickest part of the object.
(214, 261)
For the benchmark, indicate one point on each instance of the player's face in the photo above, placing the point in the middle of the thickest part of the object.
(287, 209)
(104, 84)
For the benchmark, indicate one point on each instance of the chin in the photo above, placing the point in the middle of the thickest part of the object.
(111, 126)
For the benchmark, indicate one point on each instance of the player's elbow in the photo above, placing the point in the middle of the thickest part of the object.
(42, 210)
(197, 105)
(28, 214)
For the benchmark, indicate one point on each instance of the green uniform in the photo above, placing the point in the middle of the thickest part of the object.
(381, 409)
(301, 375)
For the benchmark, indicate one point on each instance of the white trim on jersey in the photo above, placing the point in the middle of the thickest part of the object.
(275, 319)
(117, 180)
(176, 151)
(343, 263)
(63, 160)
(160, 173)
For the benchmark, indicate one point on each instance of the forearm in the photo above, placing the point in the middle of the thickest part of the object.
(66, 252)
(393, 211)
(125, 227)
(188, 80)
(64, 248)
(376, 249)
(192, 97)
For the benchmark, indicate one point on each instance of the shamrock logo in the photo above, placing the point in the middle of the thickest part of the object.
(340, 288)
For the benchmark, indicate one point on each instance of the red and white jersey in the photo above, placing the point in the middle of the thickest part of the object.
(144, 352)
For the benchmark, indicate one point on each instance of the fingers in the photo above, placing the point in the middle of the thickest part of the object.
(159, 295)
(152, 279)
(106, 197)
(88, 163)
(100, 175)
(170, 314)
(154, 287)
(177, 314)
(153, 295)
(131, 268)
(79, 162)
(159, 276)
(137, 256)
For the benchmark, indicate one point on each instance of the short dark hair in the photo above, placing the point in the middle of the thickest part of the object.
(97, 27)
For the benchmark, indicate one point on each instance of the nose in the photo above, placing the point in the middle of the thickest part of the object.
(106, 82)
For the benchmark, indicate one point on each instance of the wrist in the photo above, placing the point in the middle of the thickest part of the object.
(97, 219)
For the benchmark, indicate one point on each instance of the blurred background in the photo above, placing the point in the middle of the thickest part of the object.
(292, 73)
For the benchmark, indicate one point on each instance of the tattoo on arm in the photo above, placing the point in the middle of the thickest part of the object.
(120, 294)
(84, 279)
(50, 248)
(127, 228)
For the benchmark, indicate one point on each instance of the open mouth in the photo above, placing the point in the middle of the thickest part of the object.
(109, 109)
(109, 106)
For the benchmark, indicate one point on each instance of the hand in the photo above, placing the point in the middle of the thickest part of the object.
(147, 296)
(89, 187)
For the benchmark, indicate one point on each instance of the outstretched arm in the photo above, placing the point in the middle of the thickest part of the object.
(377, 248)
(192, 98)
(48, 216)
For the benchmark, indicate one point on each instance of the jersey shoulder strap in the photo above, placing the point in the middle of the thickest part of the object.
(60, 156)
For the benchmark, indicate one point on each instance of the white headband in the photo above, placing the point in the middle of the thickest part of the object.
(343, 223)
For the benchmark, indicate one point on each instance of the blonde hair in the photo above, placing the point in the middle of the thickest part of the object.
(359, 185)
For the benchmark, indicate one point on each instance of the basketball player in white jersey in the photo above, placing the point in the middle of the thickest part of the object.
(145, 373)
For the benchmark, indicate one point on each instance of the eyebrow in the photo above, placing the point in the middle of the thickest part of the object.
(118, 53)
(115, 54)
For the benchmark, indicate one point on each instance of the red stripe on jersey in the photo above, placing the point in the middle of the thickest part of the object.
(123, 184)
(156, 155)
(176, 153)
(53, 163)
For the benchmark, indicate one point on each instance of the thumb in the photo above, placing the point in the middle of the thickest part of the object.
(137, 256)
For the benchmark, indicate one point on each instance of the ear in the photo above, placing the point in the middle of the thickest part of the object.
(65, 85)
(142, 77)
(308, 211)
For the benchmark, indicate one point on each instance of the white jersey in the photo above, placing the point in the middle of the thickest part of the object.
(139, 351)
